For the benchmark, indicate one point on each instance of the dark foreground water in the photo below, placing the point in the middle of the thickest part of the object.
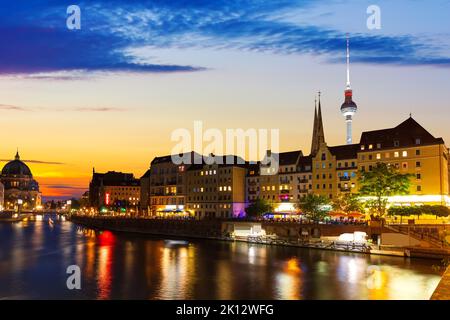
(34, 257)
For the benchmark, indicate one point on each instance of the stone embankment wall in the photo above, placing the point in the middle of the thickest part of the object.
(213, 228)
(182, 228)
(295, 230)
(442, 291)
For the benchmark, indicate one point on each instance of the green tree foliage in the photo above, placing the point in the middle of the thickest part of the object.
(348, 203)
(314, 207)
(258, 207)
(381, 182)
(436, 210)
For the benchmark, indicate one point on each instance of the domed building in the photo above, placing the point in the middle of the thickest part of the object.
(19, 184)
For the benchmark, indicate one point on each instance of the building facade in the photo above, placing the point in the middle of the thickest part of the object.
(2, 196)
(20, 189)
(163, 186)
(287, 187)
(114, 191)
(216, 188)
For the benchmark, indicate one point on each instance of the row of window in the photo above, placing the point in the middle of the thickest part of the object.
(209, 198)
(387, 155)
(208, 181)
(211, 189)
(167, 201)
(396, 144)
(404, 165)
(282, 187)
(209, 206)
(300, 179)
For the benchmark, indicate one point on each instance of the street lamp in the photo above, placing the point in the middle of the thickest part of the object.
(19, 205)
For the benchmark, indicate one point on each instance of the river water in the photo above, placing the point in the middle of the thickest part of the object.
(34, 257)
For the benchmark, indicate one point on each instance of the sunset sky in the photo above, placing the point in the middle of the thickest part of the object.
(110, 94)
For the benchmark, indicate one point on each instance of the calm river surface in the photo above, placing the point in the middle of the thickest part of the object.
(34, 257)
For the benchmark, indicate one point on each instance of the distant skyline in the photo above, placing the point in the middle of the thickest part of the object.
(109, 95)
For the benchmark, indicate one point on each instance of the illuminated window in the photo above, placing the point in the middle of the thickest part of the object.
(405, 153)
(396, 154)
(370, 146)
(387, 155)
(229, 188)
(378, 156)
(201, 173)
(273, 188)
(201, 189)
(362, 147)
(263, 188)
(220, 188)
(215, 172)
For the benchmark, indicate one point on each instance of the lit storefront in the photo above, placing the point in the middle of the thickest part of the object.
(173, 211)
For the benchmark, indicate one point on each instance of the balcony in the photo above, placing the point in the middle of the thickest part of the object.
(344, 178)
(284, 191)
(303, 181)
(344, 189)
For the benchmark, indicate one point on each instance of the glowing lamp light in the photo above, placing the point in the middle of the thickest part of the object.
(20, 201)
(107, 198)
(285, 207)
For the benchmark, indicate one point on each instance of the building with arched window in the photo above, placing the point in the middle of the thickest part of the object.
(19, 186)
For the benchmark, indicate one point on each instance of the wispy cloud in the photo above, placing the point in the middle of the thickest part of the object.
(76, 109)
(99, 109)
(40, 45)
(62, 186)
(36, 161)
(11, 107)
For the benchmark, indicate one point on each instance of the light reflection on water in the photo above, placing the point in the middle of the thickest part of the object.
(34, 257)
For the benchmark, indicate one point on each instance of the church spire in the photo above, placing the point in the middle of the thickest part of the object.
(17, 157)
(318, 135)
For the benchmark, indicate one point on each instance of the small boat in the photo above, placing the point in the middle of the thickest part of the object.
(176, 242)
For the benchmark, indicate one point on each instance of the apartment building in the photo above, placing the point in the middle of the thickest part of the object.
(216, 188)
(164, 187)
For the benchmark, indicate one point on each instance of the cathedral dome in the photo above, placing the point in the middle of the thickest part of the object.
(16, 168)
